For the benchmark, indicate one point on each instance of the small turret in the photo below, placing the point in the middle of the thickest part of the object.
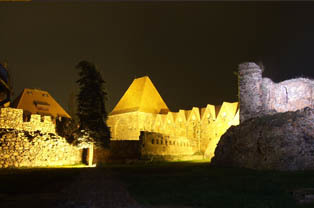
(250, 92)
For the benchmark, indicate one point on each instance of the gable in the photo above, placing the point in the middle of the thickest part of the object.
(193, 115)
(208, 112)
(180, 117)
(228, 110)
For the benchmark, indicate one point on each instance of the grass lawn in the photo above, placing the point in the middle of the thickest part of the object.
(35, 180)
(193, 184)
(197, 184)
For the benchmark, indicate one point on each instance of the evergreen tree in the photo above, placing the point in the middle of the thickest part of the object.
(91, 103)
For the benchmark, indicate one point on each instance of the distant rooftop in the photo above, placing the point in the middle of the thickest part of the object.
(37, 101)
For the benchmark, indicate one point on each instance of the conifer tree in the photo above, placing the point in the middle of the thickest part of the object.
(91, 103)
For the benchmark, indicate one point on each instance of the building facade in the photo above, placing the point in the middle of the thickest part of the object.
(142, 109)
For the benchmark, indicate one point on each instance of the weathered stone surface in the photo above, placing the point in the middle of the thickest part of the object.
(259, 96)
(12, 118)
(201, 127)
(29, 149)
(250, 94)
(158, 144)
(282, 141)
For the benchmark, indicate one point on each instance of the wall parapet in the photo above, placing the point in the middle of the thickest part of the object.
(12, 118)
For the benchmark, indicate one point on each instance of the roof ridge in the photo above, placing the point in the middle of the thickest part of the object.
(143, 91)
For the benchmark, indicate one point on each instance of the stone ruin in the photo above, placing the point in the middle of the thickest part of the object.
(276, 130)
(33, 142)
(260, 96)
(142, 109)
(12, 118)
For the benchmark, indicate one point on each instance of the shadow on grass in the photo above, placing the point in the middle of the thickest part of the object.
(189, 183)
(197, 184)
(35, 180)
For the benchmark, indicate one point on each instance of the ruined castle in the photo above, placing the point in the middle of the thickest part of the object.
(259, 96)
(142, 115)
(141, 123)
(28, 135)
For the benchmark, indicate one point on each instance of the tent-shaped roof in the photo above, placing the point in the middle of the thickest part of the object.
(141, 96)
(41, 102)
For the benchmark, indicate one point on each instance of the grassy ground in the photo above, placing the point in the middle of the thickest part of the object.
(36, 180)
(192, 184)
(197, 184)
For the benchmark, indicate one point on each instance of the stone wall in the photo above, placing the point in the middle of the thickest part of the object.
(125, 149)
(34, 149)
(101, 156)
(250, 93)
(202, 127)
(150, 145)
(260, 96)
(289, 95)
(155, 144)
(12, 118)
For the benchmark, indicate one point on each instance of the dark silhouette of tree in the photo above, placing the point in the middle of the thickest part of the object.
(66, 127)
(72, 105)
(91, 99)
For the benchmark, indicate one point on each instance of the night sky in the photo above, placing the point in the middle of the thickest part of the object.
(189, 50)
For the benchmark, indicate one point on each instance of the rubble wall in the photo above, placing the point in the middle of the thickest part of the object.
(289, 95)
(12, 118)
(26, 149)
(259, 96)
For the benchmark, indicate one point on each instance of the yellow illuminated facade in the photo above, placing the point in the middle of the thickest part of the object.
(142, 109)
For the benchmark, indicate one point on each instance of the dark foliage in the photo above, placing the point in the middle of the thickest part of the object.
(91, 103)
(66, 128)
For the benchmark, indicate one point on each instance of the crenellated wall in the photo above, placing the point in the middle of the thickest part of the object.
(12, 118)
(202, 127)
(33, 142)
(259, 96)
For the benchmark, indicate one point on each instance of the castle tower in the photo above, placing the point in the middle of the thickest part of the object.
(136, 111)
(250, 92)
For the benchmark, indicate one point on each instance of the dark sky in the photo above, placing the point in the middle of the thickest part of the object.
(189, 50)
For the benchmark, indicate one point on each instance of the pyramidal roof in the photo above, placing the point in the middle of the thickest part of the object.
(36, 101)
(141, 96)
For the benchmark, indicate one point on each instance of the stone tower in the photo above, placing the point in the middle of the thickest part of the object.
(250, 90)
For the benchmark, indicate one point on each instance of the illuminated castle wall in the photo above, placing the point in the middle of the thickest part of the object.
(12, 118)
(142, 109)
(30, 140)
(260, 95)
(36, 149)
